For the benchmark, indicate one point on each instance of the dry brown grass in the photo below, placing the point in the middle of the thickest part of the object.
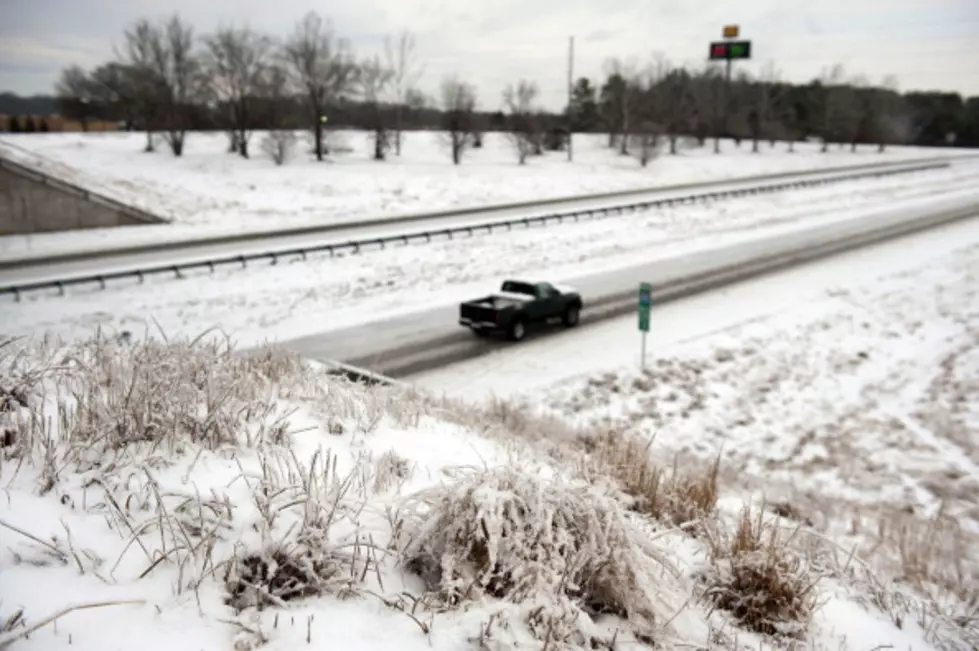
(682, 498)
(757, 577)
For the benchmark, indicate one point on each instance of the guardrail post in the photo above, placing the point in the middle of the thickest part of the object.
(244, 263)
(16, 295)
(101, 280)
(275, 259)
(210, 266)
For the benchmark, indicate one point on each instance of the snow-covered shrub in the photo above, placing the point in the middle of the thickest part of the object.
(516, 537)
(758, 577)
(279, 144)
(298, 554)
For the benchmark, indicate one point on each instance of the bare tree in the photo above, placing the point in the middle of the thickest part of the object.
(673, 99)
(647, 102)
(519, 102)
(141, 41)
(407, 71)
(620, 101)
(705, 94)
(791, 125)
(323, 67)
(375, 79)
(839, 109)
(459, 104)
(236, 58)
(75, 96)
(890, 119)
(766, 96)
(859, 126)
(272, 91)
(114, 87)
(163, 58)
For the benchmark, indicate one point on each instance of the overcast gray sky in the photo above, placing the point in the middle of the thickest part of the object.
(926, 44)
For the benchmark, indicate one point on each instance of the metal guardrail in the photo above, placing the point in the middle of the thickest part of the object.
(427, 236)
(185, 246)
(79, 192)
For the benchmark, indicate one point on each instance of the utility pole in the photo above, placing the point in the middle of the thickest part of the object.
(570, 95)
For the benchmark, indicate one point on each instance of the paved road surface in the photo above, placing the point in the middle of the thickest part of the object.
(432, 337)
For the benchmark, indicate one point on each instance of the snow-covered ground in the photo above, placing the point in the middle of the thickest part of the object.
(292, 300)
(207, 187)
(177, 496)
(847, 391)
(869, 396)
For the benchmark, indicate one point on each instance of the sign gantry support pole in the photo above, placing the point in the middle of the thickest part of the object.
(727, 50)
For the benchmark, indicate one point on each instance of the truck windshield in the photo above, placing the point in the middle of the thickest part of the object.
(518, 288)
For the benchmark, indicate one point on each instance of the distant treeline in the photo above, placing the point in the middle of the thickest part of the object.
(168, 80)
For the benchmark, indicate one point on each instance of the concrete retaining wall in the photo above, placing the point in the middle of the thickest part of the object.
(31, 202)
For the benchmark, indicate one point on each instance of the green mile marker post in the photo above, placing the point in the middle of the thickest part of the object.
(645, 305)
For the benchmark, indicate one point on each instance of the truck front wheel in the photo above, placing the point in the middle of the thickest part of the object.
(518, 330)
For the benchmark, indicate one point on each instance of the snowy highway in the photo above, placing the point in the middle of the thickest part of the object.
(157, 251)
(513, 371)
(357, 306)
(431, 338)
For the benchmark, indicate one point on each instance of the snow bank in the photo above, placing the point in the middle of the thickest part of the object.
(186, 496)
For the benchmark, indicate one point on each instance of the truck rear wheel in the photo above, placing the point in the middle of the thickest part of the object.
(571, 316)
(518, 329)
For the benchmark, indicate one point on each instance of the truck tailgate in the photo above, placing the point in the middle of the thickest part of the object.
(478, 314)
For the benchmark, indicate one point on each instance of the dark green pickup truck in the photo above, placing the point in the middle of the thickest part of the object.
(519, 305)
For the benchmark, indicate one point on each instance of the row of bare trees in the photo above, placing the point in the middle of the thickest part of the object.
(644, 108)
(163, 74)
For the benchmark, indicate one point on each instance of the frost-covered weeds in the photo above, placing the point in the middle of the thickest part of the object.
(201, 464)
(514, 536)
(757, 576)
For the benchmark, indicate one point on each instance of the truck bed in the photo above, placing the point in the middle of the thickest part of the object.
(500, 300)
(484, 313)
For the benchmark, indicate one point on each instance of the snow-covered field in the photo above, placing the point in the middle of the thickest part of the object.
(208, 187)
(174, 495)
(292, 300)
(864, 399)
